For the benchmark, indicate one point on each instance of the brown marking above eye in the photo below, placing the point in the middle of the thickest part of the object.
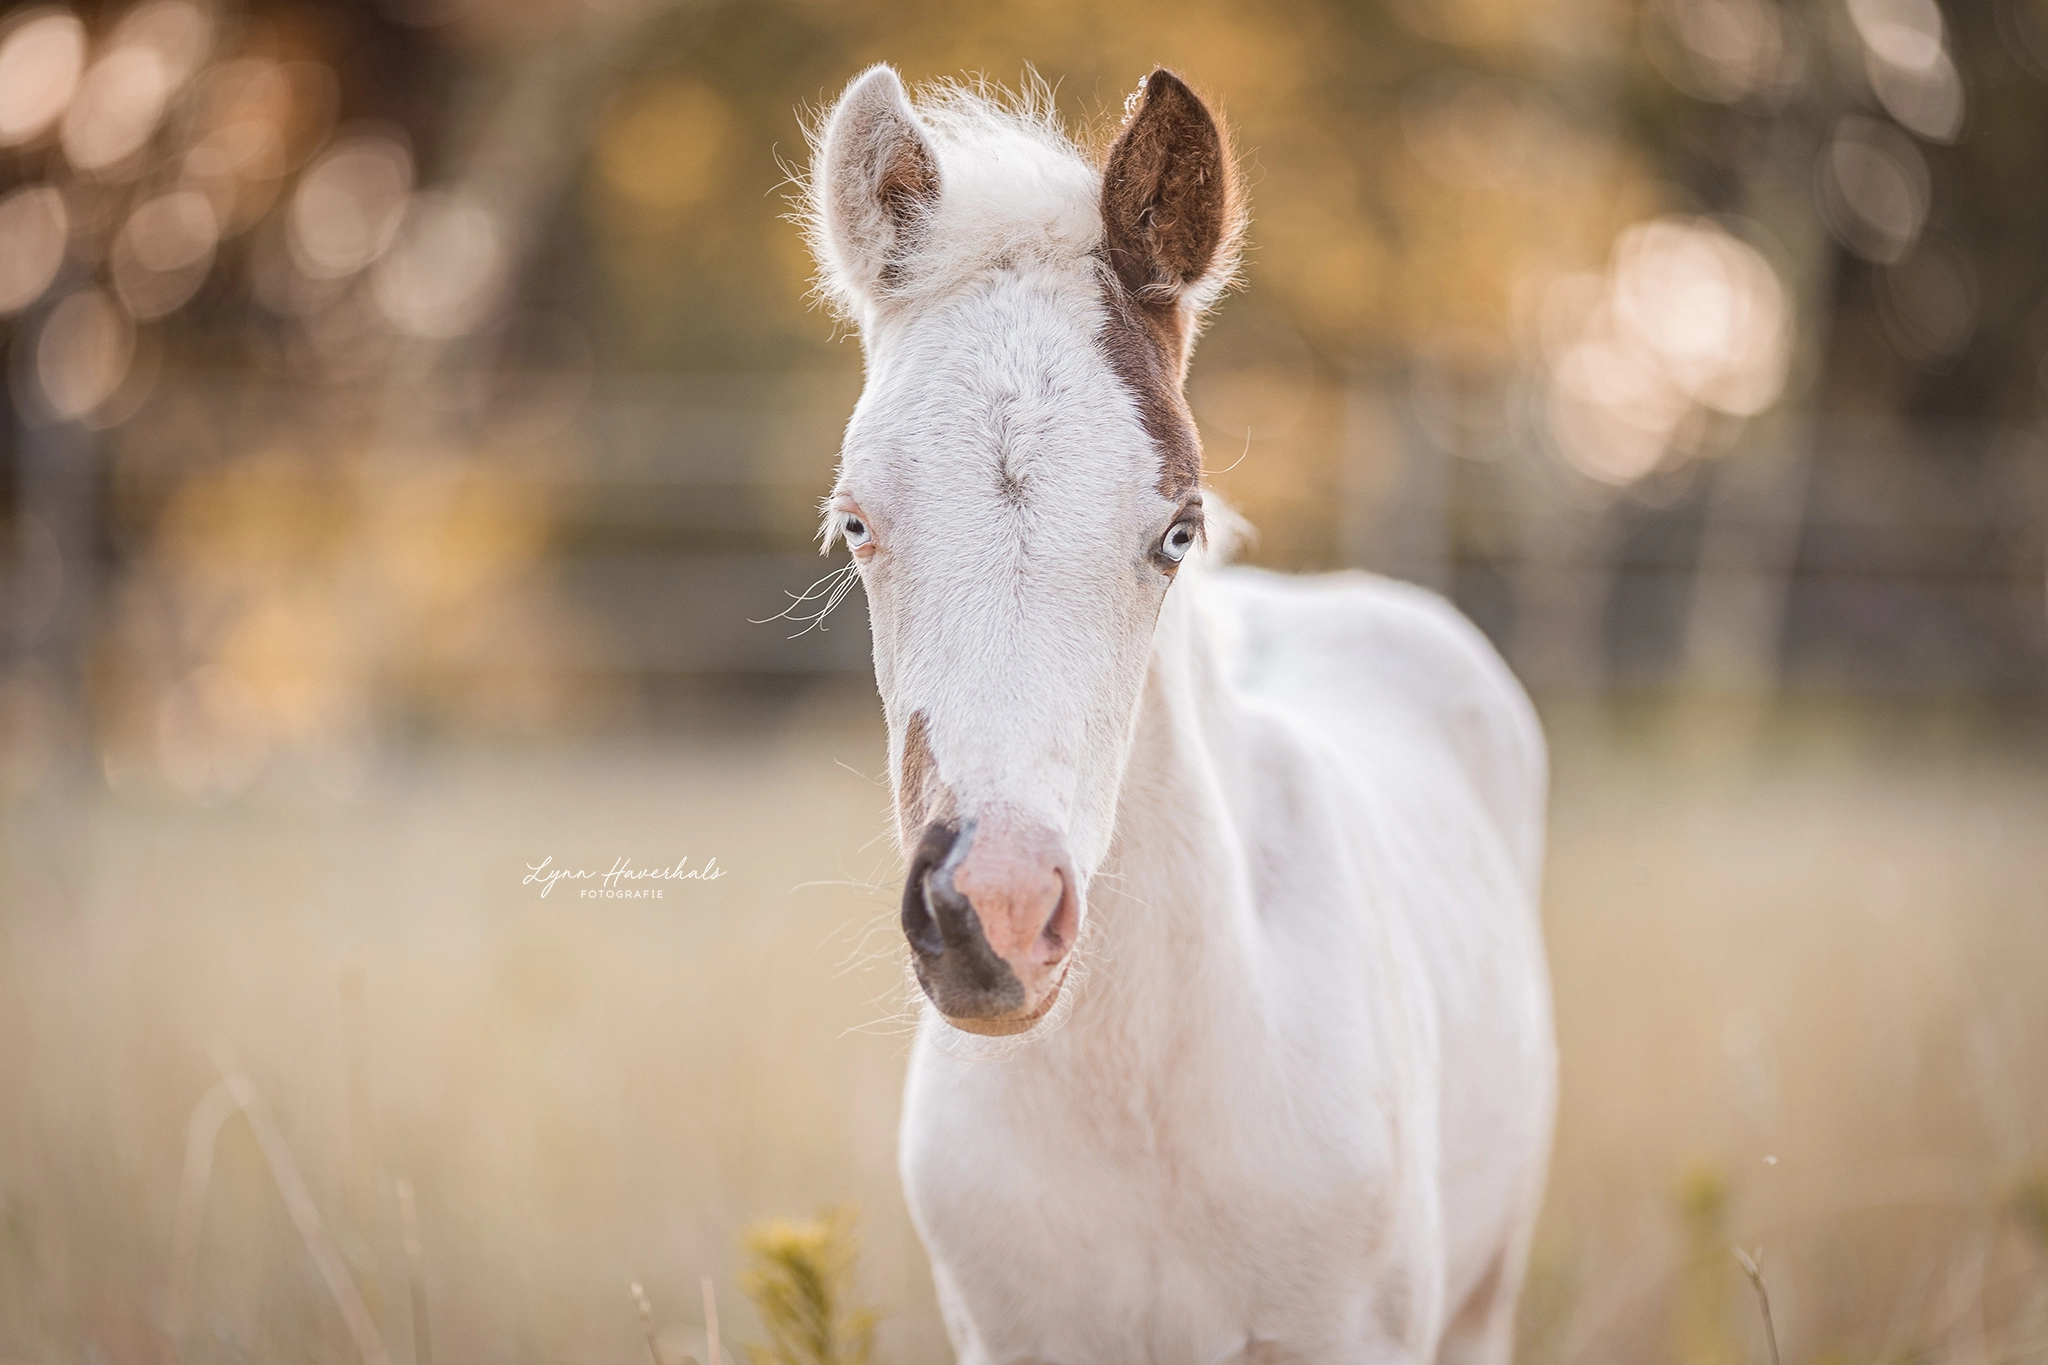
(1146, 348)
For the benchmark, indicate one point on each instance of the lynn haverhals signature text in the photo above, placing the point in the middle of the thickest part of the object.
(617, 883)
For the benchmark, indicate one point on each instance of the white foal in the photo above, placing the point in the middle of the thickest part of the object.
(1297, 1104)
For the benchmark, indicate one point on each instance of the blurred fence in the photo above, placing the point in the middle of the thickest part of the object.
(1912, 561)
(659, 532)
(687, 521)
(1885, 560)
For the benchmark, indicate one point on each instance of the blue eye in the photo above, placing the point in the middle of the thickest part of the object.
(1179, 540)
(856, 532)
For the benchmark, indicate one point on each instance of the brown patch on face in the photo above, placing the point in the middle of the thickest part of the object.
(1146, 348)
(920, 796)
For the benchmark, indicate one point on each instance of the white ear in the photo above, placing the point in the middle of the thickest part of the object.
(874, 179)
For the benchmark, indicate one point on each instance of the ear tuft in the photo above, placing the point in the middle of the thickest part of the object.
(874, 180)
(1170, 212)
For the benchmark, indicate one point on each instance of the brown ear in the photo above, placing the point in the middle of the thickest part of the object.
(1169, 192)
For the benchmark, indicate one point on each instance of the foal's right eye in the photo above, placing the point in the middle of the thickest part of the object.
(1179, 540)
(856, 532)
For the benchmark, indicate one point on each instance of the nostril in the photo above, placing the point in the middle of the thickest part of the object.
(920, 920)
(919, 925)
(1058, 934)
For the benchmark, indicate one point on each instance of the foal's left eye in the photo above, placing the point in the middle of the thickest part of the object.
(1179, 540)
(856, 532)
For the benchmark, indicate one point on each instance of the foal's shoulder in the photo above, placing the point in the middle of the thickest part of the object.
(1358, 650)
(1357, 627)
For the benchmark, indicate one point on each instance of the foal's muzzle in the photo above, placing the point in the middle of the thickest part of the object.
(990, 909)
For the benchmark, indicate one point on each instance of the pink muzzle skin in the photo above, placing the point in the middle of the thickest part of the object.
(991, 909)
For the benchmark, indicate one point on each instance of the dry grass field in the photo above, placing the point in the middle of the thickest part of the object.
(1802, 983)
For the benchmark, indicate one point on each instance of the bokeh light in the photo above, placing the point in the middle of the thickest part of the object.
(117, 107)
(42, 53)
(1909, 66)
(82, 352)
(1928, 100)
(349, 204)
(1874, 189)
(179, 33)
(33, 227)
(1929, 304)
(262, 119)
(1902, 33)
(445, 274)
(1689, 320)
(163, 253)
(1711, 308)
(1725, 51)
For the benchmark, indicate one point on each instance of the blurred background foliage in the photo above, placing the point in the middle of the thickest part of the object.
(410, 405)
(445, 363)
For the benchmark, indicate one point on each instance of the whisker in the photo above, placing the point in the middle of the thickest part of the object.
(831, 590)
(1239, 460)
(873, 779)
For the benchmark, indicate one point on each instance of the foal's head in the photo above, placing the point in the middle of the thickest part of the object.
(1019, 485)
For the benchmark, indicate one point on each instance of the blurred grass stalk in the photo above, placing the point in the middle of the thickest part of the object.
(646, 1311)
(1763, 1299)
(800, 1280)
(236, 1093)
(712, 1349)
(416, 1268)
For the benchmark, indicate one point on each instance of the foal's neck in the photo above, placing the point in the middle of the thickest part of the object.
(1173, 932)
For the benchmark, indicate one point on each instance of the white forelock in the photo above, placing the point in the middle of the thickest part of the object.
(1014, 189)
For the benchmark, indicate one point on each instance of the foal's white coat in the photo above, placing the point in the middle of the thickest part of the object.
(1295, 1104)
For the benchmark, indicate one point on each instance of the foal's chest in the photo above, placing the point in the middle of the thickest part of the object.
(1119, 1237)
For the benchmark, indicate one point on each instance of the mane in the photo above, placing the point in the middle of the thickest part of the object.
(1015, 188)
